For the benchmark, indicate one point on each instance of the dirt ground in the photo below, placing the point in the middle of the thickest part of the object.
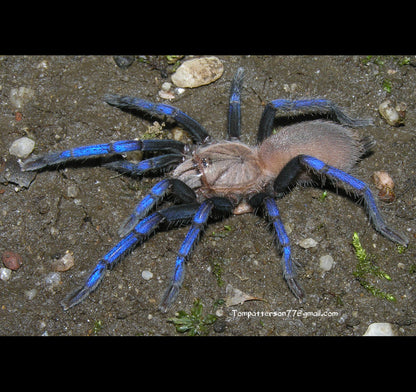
(79, 208)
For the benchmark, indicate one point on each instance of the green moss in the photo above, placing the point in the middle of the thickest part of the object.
(387, 85)
(365, 267)
(226, 229)
(98, 325)
(323, 196)
(401, 249)
(217, 271)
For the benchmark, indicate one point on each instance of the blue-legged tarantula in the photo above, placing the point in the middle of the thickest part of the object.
(214, 179)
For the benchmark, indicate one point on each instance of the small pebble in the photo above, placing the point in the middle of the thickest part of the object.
(30, 294)
(72, 191)
(308, 243)
(326, 262)
(53, 279)
(11, 260)
(5, 274)
(166, 86)
(198, 72)
(123, 61)
(147, 275)
(64, 263)
(219, 326)
(385, 184)
(166, 95)
(20, 96)
(393, 113)
(379, 329)
(22, 147)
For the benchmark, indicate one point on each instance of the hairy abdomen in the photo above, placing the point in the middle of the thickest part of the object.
(332, 143)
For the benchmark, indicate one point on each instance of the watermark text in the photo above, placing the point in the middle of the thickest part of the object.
(289, 313)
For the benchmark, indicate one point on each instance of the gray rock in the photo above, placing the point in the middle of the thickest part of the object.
(307, 243)
(22, 147)
(147, 275)
(326, 262)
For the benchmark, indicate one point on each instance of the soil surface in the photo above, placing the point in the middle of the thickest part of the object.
(79, 208)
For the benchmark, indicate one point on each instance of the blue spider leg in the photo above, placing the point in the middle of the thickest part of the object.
(218, 205)
(198, 223)
(159, 109)
(157, 192)
(146, 204)
(83, 152)
(140, 233)
(318, 106)
(360, 188)
(234, 111)
(289, 271)
(137, 169)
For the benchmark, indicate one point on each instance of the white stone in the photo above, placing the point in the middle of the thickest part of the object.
(166, 86)
(379, 329)
(19, 96)
(393, 113)
(5, 273)
(72, 191)
(166, 95)
(198, 72)
(22, 147)
(30, 294)
(308, 243)
(52, 279)
(326, 262)
(147, 275)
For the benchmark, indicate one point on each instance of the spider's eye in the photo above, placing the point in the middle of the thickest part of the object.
(205, 162)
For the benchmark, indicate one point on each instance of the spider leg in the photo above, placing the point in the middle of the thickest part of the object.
(199, 222)
(234, 112)
(137, 236)
(160, 190)
(142, 230)
(288, 267)
(318, 106)
(147, 165)
(83, 152)
(159, 109)
(360, 188)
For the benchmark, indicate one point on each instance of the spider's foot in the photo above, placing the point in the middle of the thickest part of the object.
(128, 225)
(90, 285)
(295, 288)
(345, 119)
(169, 297)
(394, 236)
(112, 99)
(75, 298)
(37, 162)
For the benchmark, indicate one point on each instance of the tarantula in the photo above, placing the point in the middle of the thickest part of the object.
(214, 179)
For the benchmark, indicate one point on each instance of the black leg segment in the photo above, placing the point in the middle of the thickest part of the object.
(287, 176)
(311, 106)
(197, 131)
